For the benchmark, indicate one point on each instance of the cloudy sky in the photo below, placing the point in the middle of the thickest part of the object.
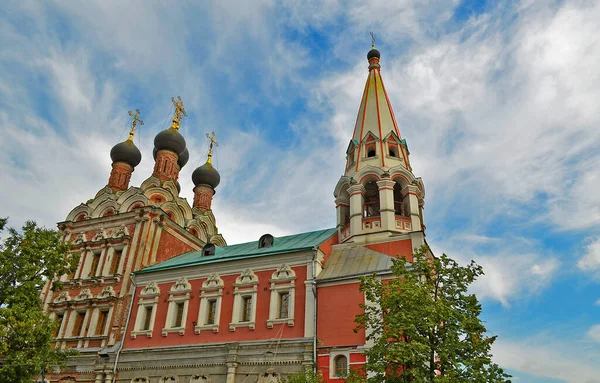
(499, 103)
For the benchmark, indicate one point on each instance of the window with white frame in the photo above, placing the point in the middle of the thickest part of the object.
(77, 320)
(144, 321)
(209, 314)
(179, 299)
(115, 259)
(244, 301)
(281, 307)
(101, 315)
(339, 364)
(59, 317)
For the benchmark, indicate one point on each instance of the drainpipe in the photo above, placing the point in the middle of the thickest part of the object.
(314, 289)
(132, 278)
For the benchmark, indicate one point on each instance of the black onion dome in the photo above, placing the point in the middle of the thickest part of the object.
(183, 158)
(206, 175)
(126, 151)
(170, 139)
(373, 53)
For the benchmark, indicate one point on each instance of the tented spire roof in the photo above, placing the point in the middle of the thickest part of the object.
(376, 124)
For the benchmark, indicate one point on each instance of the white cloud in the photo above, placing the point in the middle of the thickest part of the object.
(594, 333)
(510, 274)
(569, 361)
(590, 262)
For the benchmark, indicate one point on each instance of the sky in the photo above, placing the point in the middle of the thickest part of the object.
(498, 102)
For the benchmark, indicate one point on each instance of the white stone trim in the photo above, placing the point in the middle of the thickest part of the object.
(334, 353)
(148, 298)
(282, 281)
(212, 289)
(180, 293)
(245, 285)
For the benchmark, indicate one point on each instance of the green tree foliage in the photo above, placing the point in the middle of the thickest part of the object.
(29, 258)
(308, 376)
(425, 326)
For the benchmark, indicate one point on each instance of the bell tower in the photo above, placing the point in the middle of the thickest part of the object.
(378, 195)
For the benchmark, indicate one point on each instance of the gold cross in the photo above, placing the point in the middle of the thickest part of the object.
(372, 40)
(212, 141)
(136, 119)
(178, 112)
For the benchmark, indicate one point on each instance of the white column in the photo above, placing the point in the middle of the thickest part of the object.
(386, 204)
(356, 208)
(340, 204)
(411, 192)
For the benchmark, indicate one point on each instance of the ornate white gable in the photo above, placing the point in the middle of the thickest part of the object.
(107, 292)
(62, 297)
(213, 282)
(181, 286)
(247, 277)
(84, 294)
(150, 291)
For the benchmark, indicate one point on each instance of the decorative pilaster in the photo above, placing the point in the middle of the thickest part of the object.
(120, 176)
(386, 204)
(411, 192)
(342, 209)
(356, 208)
(166, 167)
(231, 362)
(203, 195)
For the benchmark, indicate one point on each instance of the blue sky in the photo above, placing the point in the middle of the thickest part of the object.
(498, 102)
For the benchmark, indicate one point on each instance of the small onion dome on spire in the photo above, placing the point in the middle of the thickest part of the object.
(206, 175)
(373, 53)
(127, 152)
(183, 158)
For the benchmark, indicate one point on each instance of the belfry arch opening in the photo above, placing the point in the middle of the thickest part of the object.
(401, 206)
(371, 206)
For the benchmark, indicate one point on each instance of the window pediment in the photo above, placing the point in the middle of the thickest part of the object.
(62, 297)
(246, 278)
(182, 286)
(107, 292)
(213, 282)
(284, 273)
(84, 294)
(150, 291)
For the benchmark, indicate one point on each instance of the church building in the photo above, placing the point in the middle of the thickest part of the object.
(159, 296)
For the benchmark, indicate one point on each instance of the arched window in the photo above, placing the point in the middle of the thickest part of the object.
(399, 206)
(340, 366)
(208, 250)
(371, 152)
(371, 204)
(266, 240)
(393, 152)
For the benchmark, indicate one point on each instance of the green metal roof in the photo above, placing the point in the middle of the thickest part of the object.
(287, 244)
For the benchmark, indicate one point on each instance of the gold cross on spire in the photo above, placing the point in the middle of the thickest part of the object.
(212, 141)
(372, 40)
(136, 119)
(178, 112)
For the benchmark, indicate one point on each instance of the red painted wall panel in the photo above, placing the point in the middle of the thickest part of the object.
(357, 360)
(395, 249)
(325, 247)
(337, 307)
(170, 246)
